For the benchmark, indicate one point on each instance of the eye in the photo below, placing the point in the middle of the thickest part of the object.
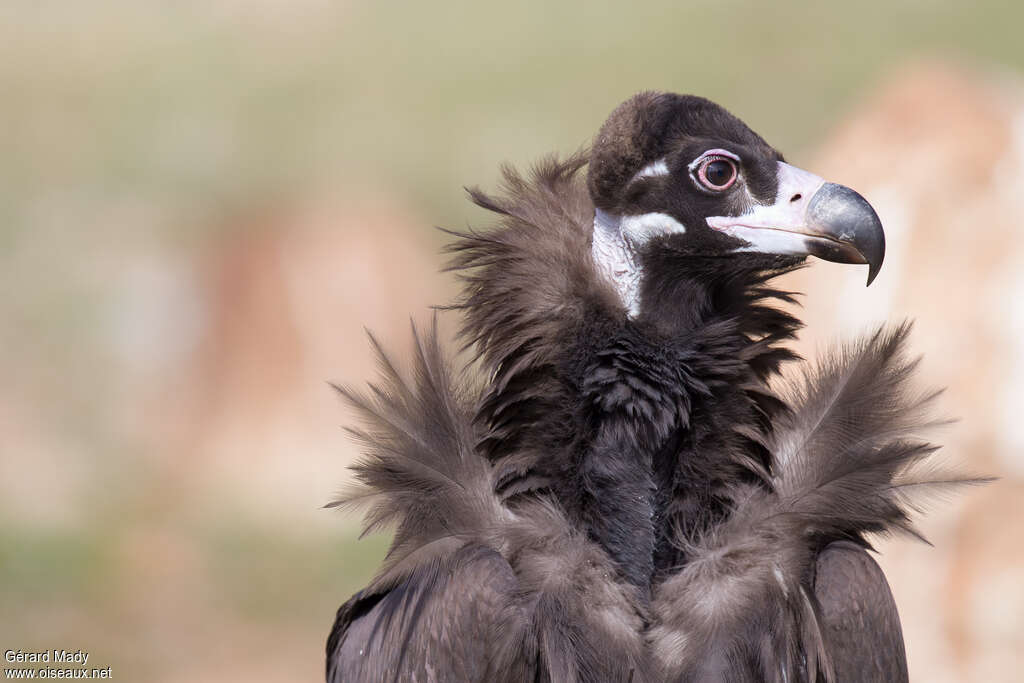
(716, 173)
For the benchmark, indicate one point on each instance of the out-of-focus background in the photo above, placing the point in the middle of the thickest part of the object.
(202, 204)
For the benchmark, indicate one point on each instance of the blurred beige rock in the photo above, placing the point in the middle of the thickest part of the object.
(289, 296)
(939, 151)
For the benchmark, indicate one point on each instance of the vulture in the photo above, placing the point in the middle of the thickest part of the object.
(614, 481)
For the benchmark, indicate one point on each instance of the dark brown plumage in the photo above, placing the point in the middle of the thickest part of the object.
(619, 491)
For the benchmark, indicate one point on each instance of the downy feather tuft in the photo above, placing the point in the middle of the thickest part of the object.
(420, 472)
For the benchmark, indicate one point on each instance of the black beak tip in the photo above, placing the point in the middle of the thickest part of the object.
(845, 216)
(873, 272)
(871, 241)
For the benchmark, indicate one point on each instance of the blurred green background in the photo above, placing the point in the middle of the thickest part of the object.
(203, 203)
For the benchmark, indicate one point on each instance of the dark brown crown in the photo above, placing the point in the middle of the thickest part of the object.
(645, 128)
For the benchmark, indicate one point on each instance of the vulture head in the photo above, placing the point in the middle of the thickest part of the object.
(678, 174)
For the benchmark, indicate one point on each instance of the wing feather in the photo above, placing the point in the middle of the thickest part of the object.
(455, 619)
(857, 616)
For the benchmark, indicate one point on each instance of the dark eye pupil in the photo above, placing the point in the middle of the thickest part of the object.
(718, 172)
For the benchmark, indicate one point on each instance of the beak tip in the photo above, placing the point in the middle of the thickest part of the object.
(842, 212)
(875, 250)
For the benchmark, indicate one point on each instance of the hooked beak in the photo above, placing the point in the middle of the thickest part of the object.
(811, 216)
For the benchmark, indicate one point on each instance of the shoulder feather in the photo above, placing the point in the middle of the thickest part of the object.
(850, 458)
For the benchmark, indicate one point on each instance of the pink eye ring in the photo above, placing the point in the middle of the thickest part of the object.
(717, 173)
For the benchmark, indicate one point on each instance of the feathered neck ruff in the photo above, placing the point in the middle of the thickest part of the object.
(526, 460)
(644, 428)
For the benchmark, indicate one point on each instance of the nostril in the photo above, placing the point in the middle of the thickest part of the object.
(795, 198)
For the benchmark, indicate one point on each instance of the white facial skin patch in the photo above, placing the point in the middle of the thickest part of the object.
(653, 169)
(617, 239)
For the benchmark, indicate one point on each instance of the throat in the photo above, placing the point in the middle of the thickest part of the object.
(637, 394)
(627, 498)
(671, 405)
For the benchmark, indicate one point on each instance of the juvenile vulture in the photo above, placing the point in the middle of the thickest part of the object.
(619, 486)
